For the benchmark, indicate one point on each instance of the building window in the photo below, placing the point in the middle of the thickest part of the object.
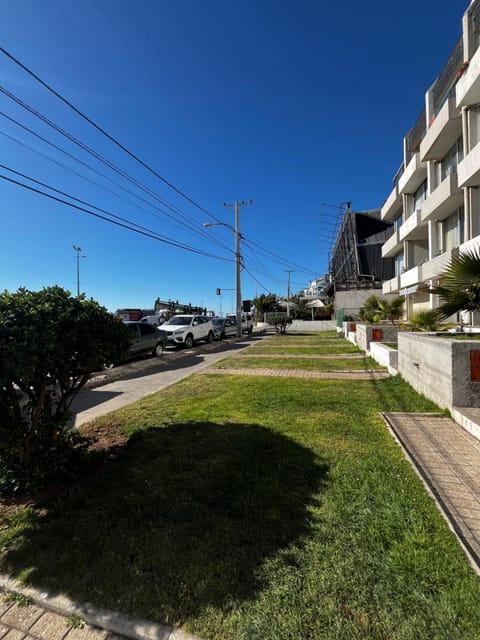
(452, 230)
(399, 261)
(397, 223)
(419, 196)
(450, 162)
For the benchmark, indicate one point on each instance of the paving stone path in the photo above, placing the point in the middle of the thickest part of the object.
(306, 355)
(361, 374)
(447, 458)
(31, 622)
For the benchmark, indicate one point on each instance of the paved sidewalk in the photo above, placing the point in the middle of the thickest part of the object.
(32, 622)
(447, 458)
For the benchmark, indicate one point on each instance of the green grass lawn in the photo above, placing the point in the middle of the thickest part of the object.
(246, 508)
(309, 364)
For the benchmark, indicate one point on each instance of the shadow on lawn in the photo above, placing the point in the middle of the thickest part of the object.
(181, 520)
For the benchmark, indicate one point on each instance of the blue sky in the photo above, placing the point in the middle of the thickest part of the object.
(297, 105)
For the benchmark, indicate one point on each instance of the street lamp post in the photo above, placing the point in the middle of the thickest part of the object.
(78, 250)
(238, 257)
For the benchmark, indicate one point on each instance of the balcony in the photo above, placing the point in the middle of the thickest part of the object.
(415, 173)
(412, 228)
(432, 269)
(469, 169)
(393, 245)
(444, 200)
(468, 86)
(391, 205)
(411, 277)
(391, 286)
(445, 129)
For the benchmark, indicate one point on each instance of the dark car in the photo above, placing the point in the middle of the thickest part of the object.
(224, 328)
(146, 339)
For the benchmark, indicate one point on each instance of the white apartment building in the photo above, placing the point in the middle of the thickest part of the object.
(435, 201)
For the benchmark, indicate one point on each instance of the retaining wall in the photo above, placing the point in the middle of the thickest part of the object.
(444, 370)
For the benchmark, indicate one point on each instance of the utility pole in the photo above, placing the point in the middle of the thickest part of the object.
(238, 261)
(289, 271)
(78, 250)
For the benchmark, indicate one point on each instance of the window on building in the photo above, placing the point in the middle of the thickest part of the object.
(399, 264)
(450, 162)
(452, 230)
(419, 196)
(398, 221)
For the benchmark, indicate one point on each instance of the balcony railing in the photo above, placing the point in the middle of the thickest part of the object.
(415, 135)
(444, 87)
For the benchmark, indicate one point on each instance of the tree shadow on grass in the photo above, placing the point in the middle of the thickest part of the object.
(179, 521)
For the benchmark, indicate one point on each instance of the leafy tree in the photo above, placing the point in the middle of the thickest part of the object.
(50, 344)
(460, 285)
(264, 304)
(280, 322)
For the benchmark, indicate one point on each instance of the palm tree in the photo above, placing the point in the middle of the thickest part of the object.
(460, 285)
(390, 310)
(426, 320)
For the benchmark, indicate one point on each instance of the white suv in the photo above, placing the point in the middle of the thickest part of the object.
(187, 329)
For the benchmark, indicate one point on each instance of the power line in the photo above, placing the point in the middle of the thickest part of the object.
(97, 156)
(150, 234)
(193, 229)
(106, 134)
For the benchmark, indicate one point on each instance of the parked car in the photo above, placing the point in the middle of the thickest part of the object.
(147, 338)
(156, 320)
(224, 328)
(247, 324)
(185, 330)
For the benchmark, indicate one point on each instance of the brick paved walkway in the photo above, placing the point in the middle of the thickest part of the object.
(361, 374)
(306, 355)
(35, 623)
(447, 458)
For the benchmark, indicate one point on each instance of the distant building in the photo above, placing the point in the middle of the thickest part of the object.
(356, 260)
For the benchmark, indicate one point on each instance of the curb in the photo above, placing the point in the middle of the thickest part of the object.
(131, 629)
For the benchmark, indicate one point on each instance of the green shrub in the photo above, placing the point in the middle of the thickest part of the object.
(50, 344)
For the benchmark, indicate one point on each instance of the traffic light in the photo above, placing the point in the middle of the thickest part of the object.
(219, 292)
(247, 306)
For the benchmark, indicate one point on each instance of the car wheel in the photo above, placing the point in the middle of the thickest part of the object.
(189, 341)
(222, 335)
(158, 349)
(210, 337)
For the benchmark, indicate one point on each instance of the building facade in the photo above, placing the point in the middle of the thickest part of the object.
(435, 201)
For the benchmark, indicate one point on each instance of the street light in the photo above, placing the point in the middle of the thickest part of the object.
(78, 250)
(238, 260)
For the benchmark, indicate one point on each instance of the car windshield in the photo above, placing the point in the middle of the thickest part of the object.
(182, 320)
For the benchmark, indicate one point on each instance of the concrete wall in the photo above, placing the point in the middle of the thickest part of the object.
(348, 327)
(439, 368)
(356, 298)
(365, 333)
(385, 355)
(312, 325)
